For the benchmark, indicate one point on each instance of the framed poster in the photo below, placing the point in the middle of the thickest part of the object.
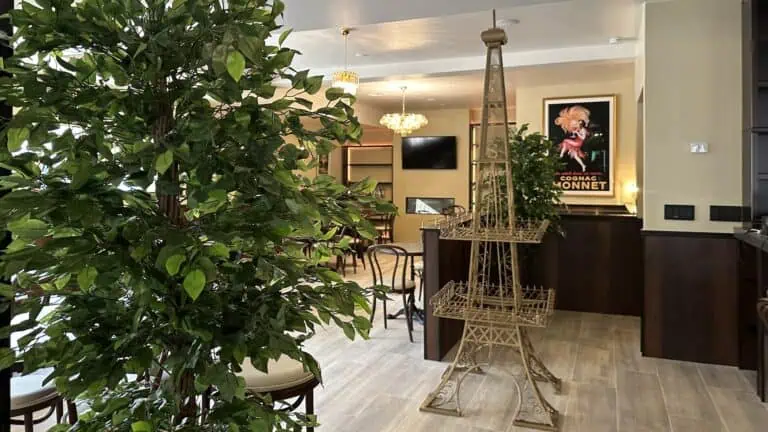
(583, 130)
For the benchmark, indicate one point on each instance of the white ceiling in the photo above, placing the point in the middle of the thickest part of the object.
(465, 90)
(322, 14)
(399, 37)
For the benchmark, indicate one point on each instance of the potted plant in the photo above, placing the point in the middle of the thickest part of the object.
(534, 165)
(153, 194)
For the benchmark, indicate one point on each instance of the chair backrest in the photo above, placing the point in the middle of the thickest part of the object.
(399, 267)
(454, 210)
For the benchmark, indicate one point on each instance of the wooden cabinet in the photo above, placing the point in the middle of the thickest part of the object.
(755, 141)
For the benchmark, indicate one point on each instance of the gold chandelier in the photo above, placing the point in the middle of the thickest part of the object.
(403, 123)
(346, 79)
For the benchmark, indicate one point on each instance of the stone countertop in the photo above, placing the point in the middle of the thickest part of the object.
(753, 238)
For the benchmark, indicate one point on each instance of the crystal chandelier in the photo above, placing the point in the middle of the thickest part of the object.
(403, 123)
(346, 79)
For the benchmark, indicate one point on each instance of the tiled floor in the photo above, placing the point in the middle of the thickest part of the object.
(378, 385)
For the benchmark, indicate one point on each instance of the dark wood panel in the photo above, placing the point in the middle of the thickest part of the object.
(762, 369)
(748, 289)
(596, 267)
(691, 298)
(444, 261)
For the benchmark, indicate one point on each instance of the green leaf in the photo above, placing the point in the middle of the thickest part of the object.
(219, 250)
(86, 277)
(194, 283)
(62, 280)
(293, 206)
(334, 93)
(28, 229)
(251, 47)
(139, 252)
(173, 264)
(16, 138)
(228, 386)
(284, 58)
(277, 8)
(141, 426)
(235, 65)
(7, 358)
(219, 59)
(349, 331)
(283, 36)
(313, 85)
(6, 290)
(164, 161)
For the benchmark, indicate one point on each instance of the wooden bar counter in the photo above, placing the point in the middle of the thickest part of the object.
(595, 267)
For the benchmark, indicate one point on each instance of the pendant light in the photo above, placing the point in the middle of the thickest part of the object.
(403, 123)
(346, 79)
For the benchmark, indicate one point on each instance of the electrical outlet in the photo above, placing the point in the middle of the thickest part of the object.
(699, 147)
(679, 212)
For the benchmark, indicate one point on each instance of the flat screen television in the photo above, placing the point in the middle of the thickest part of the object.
(438, 152)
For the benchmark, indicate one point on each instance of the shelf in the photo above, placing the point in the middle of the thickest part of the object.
(762, 84)
(459, 228)
(760, 130)
(495, 305)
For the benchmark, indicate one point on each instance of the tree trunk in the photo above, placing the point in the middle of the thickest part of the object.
(170, 206)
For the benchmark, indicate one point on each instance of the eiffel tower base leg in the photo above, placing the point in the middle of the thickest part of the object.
(534, 410)
(445, 399)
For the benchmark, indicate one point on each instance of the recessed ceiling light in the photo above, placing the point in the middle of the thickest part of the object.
(430, 99)
(508, 22)
(374, 94)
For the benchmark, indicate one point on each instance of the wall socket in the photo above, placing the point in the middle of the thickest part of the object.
(679, 212)
(699, 147)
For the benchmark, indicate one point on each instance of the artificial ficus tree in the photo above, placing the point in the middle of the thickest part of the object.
(154, 197)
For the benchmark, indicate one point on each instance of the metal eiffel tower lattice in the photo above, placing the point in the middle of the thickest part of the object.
(495, 308)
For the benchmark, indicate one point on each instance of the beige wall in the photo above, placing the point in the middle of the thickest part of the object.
(692, 93)
(600, 80)
(432, 183)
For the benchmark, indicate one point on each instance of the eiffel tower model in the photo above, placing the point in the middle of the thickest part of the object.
(495, 308)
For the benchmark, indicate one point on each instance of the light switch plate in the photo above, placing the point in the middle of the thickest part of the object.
(699, 147)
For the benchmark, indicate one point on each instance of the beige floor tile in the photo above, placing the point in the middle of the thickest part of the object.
(684, 391)
(741, 411)
(641, 405)
(682, 424)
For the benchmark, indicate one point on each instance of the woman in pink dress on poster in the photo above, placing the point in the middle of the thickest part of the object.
(574, 121)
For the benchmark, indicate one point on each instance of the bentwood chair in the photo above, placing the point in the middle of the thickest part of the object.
(454, 210)
(285, 379)
(385, 227)
(30, 396)
(398, 281)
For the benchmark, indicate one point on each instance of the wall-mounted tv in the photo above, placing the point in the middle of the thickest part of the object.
(437, 152)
